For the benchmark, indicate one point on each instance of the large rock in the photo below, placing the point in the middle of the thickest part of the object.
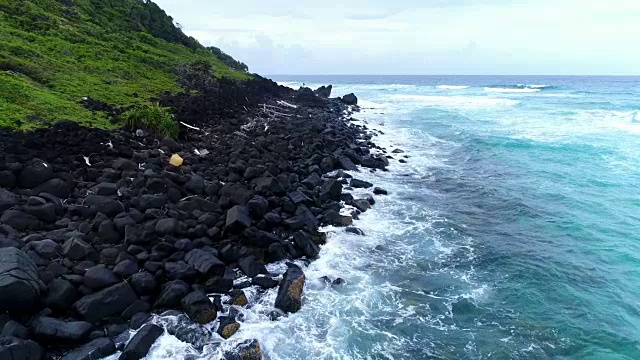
(347, 164)
(76, 249)
(60, 295)
(152, 202)
(20, 284)
(7, 199)
(289, 297)
(350, 99)
(107, 302)
(138, 347)
(246, 350)
(96, 349)
(12, 348)
(143, 283)
(199, 308)
(19, 220)
(205, 262)
(227, 327)
(272, 185)
(238, 218)
(35, 174)
(252, 266)
(330, 190)
(105, 205)
(51, 330)
(304, 242)
(360, 184)
(172, 294)
(324, 91)
(55, 187)
(99, 277)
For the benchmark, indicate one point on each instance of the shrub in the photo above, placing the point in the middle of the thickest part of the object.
(153, 118)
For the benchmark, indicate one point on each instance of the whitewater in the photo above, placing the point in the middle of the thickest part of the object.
(512, 232)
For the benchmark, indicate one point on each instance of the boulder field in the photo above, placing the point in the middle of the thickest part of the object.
(98, 230)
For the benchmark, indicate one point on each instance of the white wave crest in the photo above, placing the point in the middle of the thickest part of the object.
(452, 87)
(536, 86)
(464, 102)
(510, 90)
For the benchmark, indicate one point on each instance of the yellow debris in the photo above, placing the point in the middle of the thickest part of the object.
(176, 160)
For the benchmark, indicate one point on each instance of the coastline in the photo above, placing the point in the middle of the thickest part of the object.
(212, 215)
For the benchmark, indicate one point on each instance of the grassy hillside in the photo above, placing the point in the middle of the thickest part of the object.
(54, 52)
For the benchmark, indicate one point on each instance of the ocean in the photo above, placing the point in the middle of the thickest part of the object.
(512, 232)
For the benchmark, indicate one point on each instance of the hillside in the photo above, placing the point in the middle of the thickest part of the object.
(55, 52)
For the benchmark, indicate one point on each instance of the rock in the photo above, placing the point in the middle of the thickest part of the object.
(347, 164)
(139, 319)
(237, 297)
(264, 282)
(105, 205)
(151, 202)
(246, 350)
(238, 194)
(143, 283)
(35, 174)
(380, 191)
(8, 199)
(172, 294)
(324, 91)
(299, 198)
(47, 249)
(20, 284)
(227, 327)
(126, 269)
(289, 297)
(105, 189)
(312, 181)
(167, 226)
(277, 252)
(12, 348)
(19, 220)
(238, 219)
(99, 277)
(330, 190)
(205, 262)
(338, 281)
(354, 230)
(55, 331)
(108, 232)
(179, 270)
(252, 266)
(176, 160)
(14, 329)
(76, 249)
(7, 179)
(195, 185)
(258, 206)
(60, 295)
(44, 212)
(361, 204)
(360, 184)
(199, 308)
(107, 302)
(55, 187)
(138, 306)
(308, 247)
(138, 347)
(272, 185)
(124, 165)
(350, 99)
(96, 349)
(218, 285)
(332, 217)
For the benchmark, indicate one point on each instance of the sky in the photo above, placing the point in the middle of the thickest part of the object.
(427, 37)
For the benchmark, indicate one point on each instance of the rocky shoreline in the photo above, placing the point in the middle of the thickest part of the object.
(100, 229)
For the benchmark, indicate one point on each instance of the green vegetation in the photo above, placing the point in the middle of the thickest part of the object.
(55, 52)
(153, 118)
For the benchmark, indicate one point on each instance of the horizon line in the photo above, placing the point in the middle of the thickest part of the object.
(574, 75)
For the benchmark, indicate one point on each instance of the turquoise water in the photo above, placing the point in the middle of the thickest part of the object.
(513, 232)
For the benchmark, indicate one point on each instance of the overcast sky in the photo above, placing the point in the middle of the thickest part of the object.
(419, 36)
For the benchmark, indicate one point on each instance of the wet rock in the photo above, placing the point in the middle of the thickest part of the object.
(360, 184)
(252, 266)
(332, 217)
(107, 302)
(347, 164)
(12, 348)
(205, 262)
(20, 284)
(143, 283)
(227, 326)
(338, 281)
(51, 330)
(324, 91)
(96, 349)
(126, 269)
(246, 350)
(264, 282)
(289, 297)
(350, 99)
(199, 308)
(172, 294)
(237, 297)
(308, 247)
(361, 204)
(138, 347)
(179, 270)
(380, 191)
(218, 284)
(354, 230)
(330, 190)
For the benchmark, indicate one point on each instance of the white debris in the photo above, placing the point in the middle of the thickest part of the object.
(86, 159)
(201, 152)
(189, 126)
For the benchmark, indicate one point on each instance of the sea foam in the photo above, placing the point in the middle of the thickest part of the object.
(452, 87)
